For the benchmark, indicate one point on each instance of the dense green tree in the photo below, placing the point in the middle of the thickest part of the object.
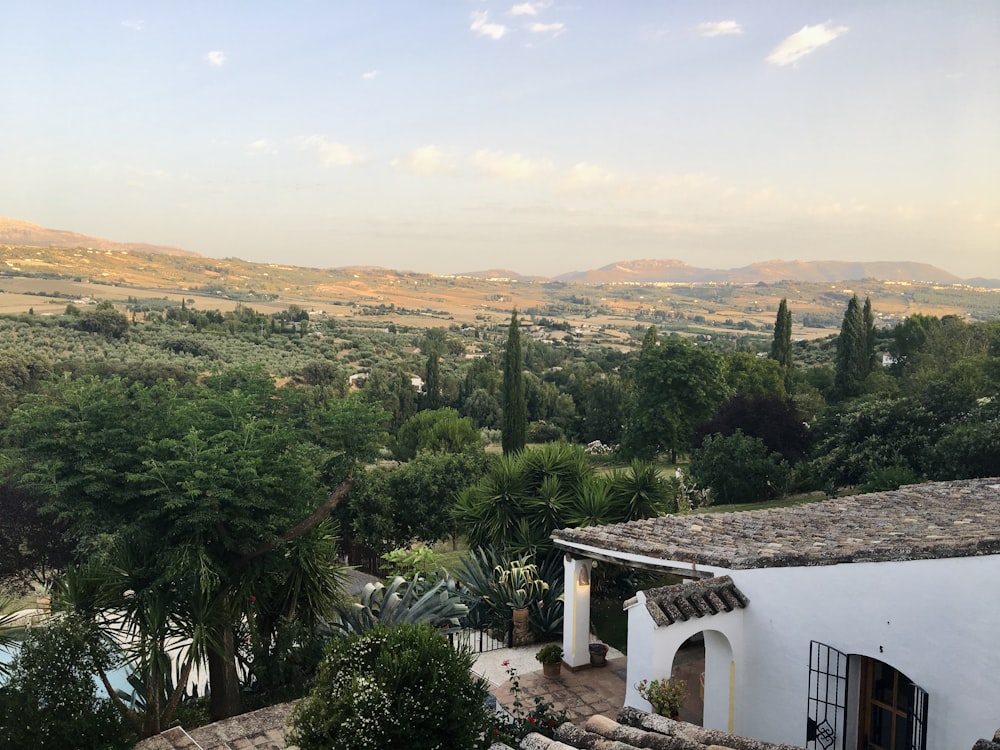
(515, 410)
(392, 389)
(674, 385)
(225, 478)
(437, 431)
(49, 700)
(433, 345)
(853, 362)
(105, 320)
(739, 469)
(748, 375)
(604, 410)
(432, 382)
(868, 318)
(484, 408)
(33, 548)
(781, 345)
(772, 419)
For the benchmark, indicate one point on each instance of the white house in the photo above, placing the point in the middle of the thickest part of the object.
(863, 622)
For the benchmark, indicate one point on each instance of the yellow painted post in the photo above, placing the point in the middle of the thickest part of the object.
(732, 694)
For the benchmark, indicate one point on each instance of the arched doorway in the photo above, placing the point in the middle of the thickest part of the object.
(705, 661)
(689, 665)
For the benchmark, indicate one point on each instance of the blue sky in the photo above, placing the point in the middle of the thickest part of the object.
(456, 135)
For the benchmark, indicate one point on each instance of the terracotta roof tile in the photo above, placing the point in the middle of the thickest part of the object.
(685, 601)
(917, 522)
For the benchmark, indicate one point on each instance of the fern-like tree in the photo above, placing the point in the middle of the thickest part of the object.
(515, 405)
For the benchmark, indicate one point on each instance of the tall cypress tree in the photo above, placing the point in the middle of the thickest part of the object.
(515, 406)
(781, 346)
(852, 363)
(869, 321)
(432, 383)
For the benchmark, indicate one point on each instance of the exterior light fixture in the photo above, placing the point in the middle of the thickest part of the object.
(584, 578)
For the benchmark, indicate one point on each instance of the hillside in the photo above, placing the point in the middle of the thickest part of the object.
(675, 271)
(609, 306)
(19, 232)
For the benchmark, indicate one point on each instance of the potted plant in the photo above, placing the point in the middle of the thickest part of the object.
(550, 655)
(598, 654)
(665, 696)
(519, 587)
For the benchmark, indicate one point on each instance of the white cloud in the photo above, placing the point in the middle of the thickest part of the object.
(331, 154)
(546, 28)
(425, 160)
(261, 146)
(216, 57)
(587, 176)
(369, 75)
(525, 9)
(510, 166)
(802, 42)
(717, 28)
(484, 27)
(134, 24)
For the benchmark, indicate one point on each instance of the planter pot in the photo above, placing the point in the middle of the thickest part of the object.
(522, 634)
(598, 655)
(552, 671)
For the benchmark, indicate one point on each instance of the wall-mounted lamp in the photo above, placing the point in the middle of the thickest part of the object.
(584, 578)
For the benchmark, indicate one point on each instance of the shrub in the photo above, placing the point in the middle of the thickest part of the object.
(50, 699)
(401, 687)
(665, 696)
(739, 469)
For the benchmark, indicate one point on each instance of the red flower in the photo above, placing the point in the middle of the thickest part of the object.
(496, 731)
(505, 663)
(551, 723)
(531, 719)
(252, 598)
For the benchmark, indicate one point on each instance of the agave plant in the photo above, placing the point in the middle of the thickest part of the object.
(403, 602)
(518, 583)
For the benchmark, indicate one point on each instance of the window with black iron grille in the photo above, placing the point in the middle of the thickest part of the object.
(826, 714)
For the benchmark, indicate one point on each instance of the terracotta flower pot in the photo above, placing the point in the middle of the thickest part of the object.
(552, 671)
(522, 634)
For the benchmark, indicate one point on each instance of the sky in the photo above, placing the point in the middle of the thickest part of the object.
(544, 137)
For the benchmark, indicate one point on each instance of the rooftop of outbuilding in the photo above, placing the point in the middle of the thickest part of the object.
(916, 522)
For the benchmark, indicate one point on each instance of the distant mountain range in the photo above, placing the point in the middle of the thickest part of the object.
(19, 232)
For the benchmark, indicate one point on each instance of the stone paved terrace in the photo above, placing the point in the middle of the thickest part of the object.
(599, 690)
(922, 521)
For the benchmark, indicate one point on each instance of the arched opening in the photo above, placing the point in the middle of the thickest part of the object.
(705, 662)
(689, 665)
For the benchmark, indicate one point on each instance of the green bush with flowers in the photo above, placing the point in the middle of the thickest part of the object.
(541, 716)
(394, 687)
(666, 696)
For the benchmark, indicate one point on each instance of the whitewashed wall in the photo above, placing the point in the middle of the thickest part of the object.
(937, 621)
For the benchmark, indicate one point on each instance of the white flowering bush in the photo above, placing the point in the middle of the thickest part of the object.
(50, 700)
(399, 687)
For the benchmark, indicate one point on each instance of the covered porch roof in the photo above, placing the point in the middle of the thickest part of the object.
(916, 522)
